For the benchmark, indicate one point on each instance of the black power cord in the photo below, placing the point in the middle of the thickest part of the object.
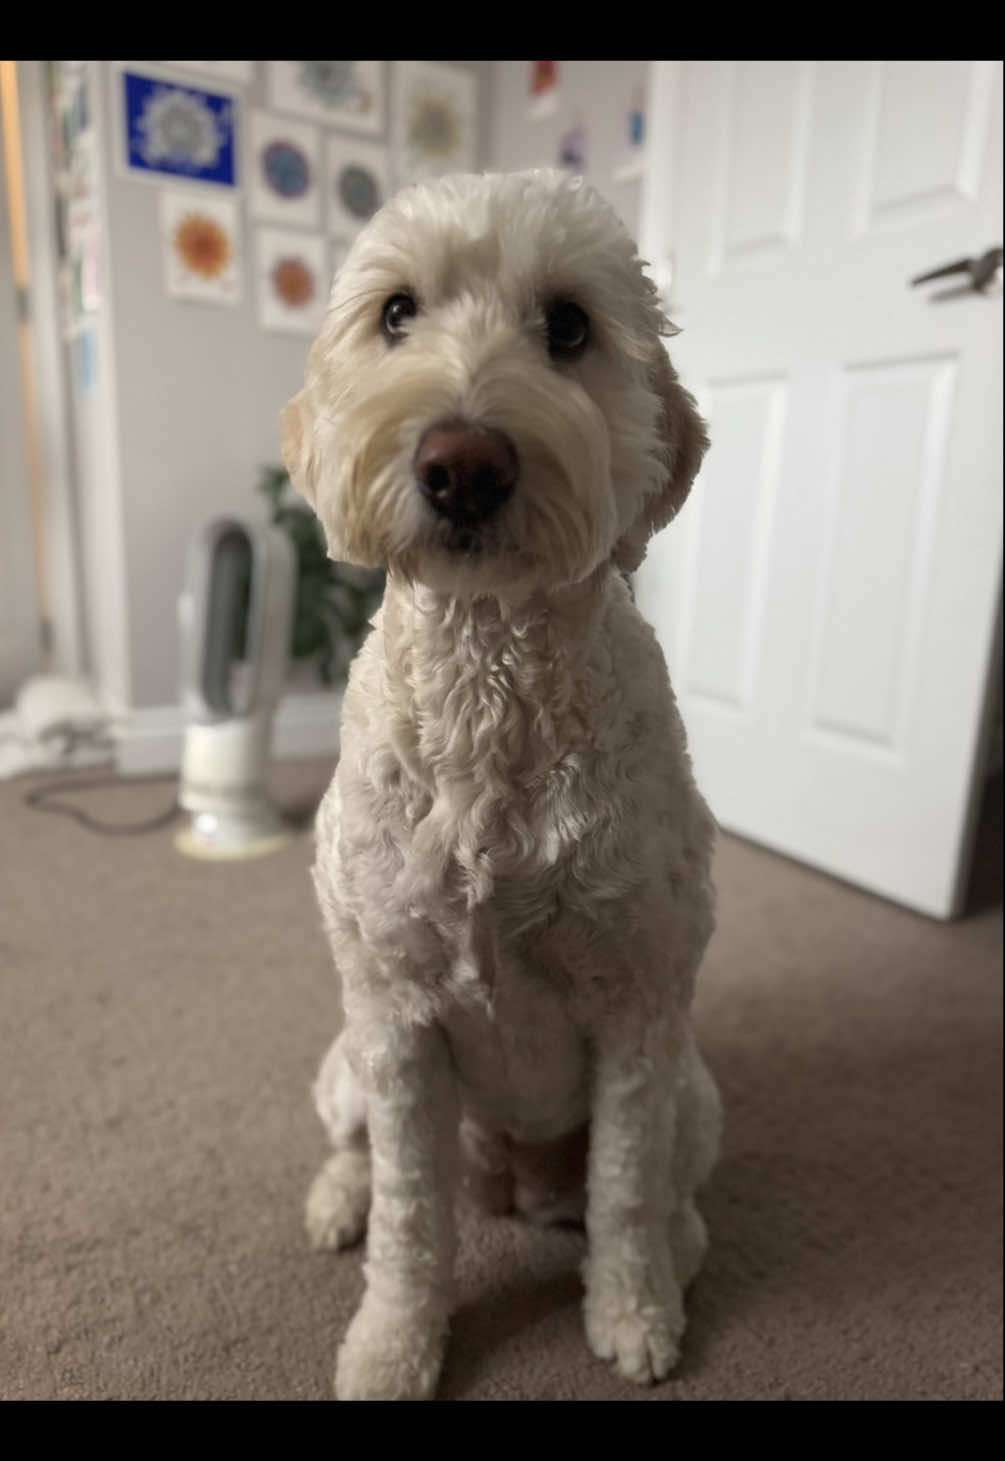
(40, 798)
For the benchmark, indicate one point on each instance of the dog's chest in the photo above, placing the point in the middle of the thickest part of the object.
(517, 848)
(517, 775)
(516, 1045)
(495, 781)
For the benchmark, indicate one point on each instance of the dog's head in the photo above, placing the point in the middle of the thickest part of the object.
(489, 406)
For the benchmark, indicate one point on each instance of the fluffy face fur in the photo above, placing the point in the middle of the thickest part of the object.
(513, 862)
(608, 443)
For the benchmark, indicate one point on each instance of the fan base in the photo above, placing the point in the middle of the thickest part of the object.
(215, 838)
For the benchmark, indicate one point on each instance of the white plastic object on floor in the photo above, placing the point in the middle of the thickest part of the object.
(56, 721)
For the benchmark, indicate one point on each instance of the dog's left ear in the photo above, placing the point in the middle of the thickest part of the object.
(296, 428)
(684, 443)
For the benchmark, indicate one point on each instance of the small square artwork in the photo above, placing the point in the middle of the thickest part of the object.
(201, 245)
(82, 174)
(358, 180)
(637, 120)
(346, 94)
(171, 129)
(434, 119)
(292, 283)
(572, 148)
(85, 359)
(74, 107)
(284, 170)
(83, 237)
(543, 89)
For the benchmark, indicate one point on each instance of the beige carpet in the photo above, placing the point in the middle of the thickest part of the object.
(161, 1022)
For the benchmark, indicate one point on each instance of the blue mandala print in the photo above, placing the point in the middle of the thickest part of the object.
(180, 130)
(286, 169)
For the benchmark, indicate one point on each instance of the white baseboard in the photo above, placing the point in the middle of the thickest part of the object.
(149, 741)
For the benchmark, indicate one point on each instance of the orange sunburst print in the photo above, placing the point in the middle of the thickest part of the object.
(203, 245)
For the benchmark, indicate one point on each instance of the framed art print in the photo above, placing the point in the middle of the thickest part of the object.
(283, 170)
(172, 129)
(201, 247)
(434, 119)
(291, 278)
(544, 89)
(358, 183)
(346, 94)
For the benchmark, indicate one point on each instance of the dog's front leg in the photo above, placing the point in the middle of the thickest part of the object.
(633, 1307)
(393, 1349)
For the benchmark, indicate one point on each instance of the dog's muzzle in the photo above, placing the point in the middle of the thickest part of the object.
(465, 473)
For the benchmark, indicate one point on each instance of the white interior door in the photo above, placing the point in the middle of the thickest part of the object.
(20, 626)
(830, 597)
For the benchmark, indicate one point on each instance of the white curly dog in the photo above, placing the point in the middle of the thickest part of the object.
(513, 862)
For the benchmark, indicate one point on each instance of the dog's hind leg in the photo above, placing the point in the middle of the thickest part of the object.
(545, 1182)
(339, 1199)
(485, 1167)
(688, 1242)
(550, 1178)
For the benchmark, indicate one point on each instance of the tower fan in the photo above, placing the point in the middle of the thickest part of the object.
(236, 619)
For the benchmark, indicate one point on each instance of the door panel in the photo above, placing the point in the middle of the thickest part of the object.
(733, 528)
(888, 461)
(764, 124)
(921, 158)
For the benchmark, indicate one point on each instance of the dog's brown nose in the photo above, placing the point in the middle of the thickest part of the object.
(465, 473)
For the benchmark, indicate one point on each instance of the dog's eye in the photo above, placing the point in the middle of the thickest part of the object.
(568, 329)
(398, 310)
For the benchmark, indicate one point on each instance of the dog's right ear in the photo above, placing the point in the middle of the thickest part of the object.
(296, 426)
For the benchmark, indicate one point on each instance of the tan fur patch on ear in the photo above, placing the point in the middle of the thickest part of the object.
(685, 441)
(294, 428)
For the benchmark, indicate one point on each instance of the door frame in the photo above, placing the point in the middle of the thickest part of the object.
(657, 207)
(61, 536)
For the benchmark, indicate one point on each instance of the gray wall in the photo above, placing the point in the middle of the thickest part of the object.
(199, 391)
(200, 388)
(597, 93)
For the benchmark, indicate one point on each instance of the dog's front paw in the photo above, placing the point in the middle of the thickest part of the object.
(390, 1353)
(339, 1200)
(638, 1325)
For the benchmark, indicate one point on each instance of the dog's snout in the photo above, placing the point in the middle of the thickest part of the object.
(465, 473)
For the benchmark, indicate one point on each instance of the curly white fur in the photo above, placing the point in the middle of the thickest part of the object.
(512, 860)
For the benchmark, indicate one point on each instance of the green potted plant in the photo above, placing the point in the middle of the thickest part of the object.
(335, 601)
